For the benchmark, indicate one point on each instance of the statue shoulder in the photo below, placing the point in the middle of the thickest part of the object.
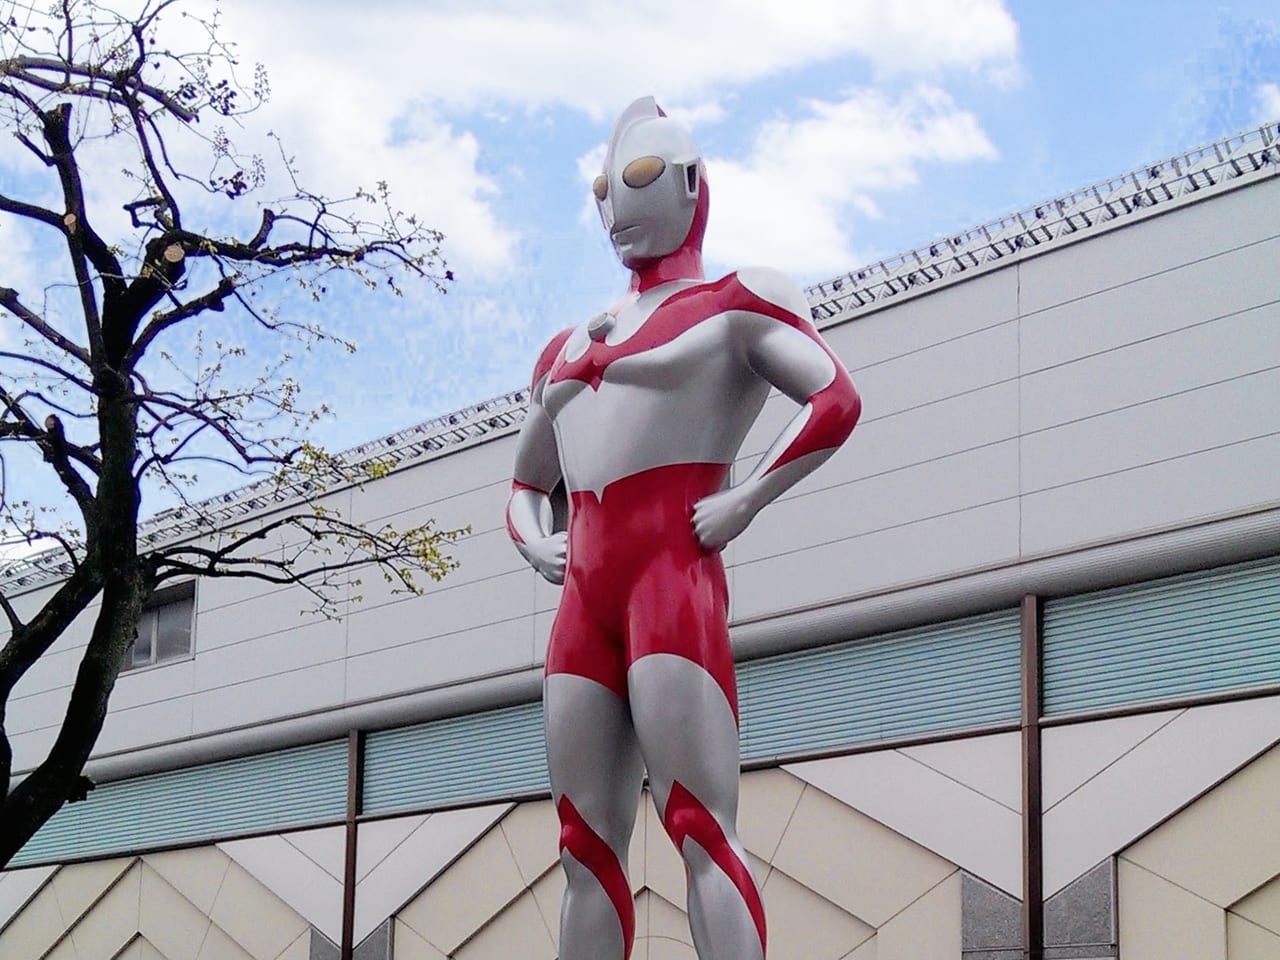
(548, 356)
(775, 288)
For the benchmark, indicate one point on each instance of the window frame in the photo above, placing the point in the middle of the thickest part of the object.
(174, 594)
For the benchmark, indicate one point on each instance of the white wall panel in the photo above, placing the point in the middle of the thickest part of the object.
(1158, 496)
(287, 608)
(1218, 350)
(934, 373)
(437, 479)
(151, 684)
(132, 727)
(937, 487)
(280, 695)
(437, 661)
(923, 321)
(465, 607)
(1156, 244)
(50, 672)
(30, 744)
(481, 557)
(1231, 282)
(280, 652)
(1163, 429)
(930, 549)
(918, 436)
(40, 711)
(926, 379)
(483, 509)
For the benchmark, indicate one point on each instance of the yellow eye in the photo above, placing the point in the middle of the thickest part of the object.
(600, 187)
(642, 172)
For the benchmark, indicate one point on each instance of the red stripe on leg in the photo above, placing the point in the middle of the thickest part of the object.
(686, 817)
(590, 850)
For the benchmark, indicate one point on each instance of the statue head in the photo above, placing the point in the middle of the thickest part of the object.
(652, 194)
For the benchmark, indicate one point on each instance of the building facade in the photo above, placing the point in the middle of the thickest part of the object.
(1009, 664)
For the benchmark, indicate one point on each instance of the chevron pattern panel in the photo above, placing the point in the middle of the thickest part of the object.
(1206, 884)
(195, 904)
(810, 852)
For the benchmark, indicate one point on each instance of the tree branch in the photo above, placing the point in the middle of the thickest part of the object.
(9, 300)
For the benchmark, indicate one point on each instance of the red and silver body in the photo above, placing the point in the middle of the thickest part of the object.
(640, 412)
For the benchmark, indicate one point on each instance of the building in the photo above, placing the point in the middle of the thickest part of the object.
(1009, 663)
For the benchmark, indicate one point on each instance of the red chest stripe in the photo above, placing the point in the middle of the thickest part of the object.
(678, 314)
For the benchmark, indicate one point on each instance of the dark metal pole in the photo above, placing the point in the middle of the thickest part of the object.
(1032, 812)
(355, 787)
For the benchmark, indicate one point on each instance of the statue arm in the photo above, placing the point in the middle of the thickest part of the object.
(782, 346)
(537, 471)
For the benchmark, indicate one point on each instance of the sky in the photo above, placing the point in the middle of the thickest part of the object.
(835, 133)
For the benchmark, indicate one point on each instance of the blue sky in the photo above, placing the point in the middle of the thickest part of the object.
(836, 132)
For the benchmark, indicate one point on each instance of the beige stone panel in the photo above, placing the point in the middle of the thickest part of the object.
(139, 949)
(547, 894)
(768, 799)
(533, 833)
(112, 921)
(326, 847)
(865, 951)
(1160, 921)
(1227, 843)
(79, 885)
(253, 916)
(930, 927)
(663, 868)
(805, 926)
(635, 850)
(861, 866)
(518, 931)
(300, 949)
(665, 920)
(168, 920)
(407, 945)
(195, 873)
(759, 870)
(414, 863)
(467, 895)
(379, 839)
(17, 887)
(219, 946)
(1248, 941)
(64, 950)
(660, 949)
(35, 928)
(1262, 907)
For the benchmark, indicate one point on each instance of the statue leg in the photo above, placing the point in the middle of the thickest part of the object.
(596, 775)
(684, 707)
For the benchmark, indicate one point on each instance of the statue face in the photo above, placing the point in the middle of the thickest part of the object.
(648, 191)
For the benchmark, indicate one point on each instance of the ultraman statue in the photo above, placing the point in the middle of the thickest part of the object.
(640, 412)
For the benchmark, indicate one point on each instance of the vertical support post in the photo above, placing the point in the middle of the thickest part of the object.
(355, 789)
(1032, 812)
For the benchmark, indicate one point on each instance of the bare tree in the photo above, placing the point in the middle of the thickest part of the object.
(119, 369)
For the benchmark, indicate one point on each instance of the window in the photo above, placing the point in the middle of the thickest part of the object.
(164, 632)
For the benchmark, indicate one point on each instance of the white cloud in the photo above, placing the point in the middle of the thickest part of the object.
(1269, 103)
(341, 86)
(788, 204)
(597, 57)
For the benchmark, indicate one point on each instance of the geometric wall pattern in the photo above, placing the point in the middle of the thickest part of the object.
(1206, 883)
(193, 904)
(836, 886)
(485, 883)
(1110, 782)
(892, 853)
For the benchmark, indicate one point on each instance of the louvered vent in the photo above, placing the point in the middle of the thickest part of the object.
(1198, 633)
(273, 791)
